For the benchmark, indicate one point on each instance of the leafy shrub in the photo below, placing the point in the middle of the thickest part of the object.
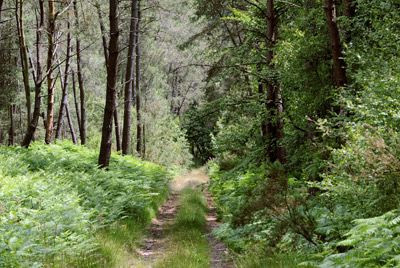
(373, 242)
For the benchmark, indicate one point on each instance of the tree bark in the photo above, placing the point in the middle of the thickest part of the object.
(37, 77)
(11, 132)
(139, 131)
(78, 116)
(82, 95)
(70, 124)
(349, 8)
(117, 128)
(24, 56)
(129, 82)
(106, 55)
(112, 72)
(274, 103)
(64, 84)
(50, 80)
(339, 67)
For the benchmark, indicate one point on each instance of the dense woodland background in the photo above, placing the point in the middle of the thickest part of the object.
(292, 105)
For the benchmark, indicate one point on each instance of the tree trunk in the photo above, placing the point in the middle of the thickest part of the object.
(50, 80)
(37, 77)
(349, 8)
(339, 67)
(24, 56)
(70, 124)
(106, 55)
(274, 128)
(112, 72)
(64, 84)
(78, 116)
(139, 137)
(129, 82)
(11, 132)
(117, 128)
(82, 126)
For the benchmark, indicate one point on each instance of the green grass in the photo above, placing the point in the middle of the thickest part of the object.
(187, 245)
(257, 259)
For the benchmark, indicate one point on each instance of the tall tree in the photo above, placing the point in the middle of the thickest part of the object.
(129, 81)
(139, 129)
(51, 30)
(339, 67)
(19, 13)
(37, 77)
(274, 127)
(82, 95)
(106, 55)
(112, 72)
(64, 83)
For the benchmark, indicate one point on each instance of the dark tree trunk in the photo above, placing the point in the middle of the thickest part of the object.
(37, 77)
(82, 126)
(64, 84)
(274, 128)
(70, 124)
(1, 8)
(50, 80)
(349, 8)
(78, 116)
(24, 56)
(106, 55)
(1, 136)
(129, 82)
(139, 130)
(112, 72)
(339, 67)
(11, 132)
(117, 128)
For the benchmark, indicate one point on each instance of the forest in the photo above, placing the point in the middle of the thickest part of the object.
(200, 133)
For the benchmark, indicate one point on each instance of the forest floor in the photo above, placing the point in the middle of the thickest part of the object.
(160, 241)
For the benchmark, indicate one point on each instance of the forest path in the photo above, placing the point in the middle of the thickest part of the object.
(154, 246)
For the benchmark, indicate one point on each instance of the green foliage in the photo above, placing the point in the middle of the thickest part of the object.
(372, 242)
(54, 198)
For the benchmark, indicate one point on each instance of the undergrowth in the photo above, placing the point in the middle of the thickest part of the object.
(57, 208)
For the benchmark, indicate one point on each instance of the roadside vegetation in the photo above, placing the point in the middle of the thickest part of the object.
(59, 209)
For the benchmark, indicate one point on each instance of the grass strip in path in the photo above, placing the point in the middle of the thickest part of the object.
(187, 245)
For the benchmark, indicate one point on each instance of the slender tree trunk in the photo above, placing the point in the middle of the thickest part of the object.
(70, 124)
(112, 73)
(349, 8)
(37, 77)
(339, 67)
(1, 8)
(83, 120)
(274, 127)
(78, 116)
(139, 136)
(11, 132)
(64, 84)
(24, 56)
(1, 136)
(117, 128)
(129, 82)
(105, 49)
(50, 80)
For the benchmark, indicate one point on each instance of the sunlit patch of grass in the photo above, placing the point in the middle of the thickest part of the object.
(187, 246)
